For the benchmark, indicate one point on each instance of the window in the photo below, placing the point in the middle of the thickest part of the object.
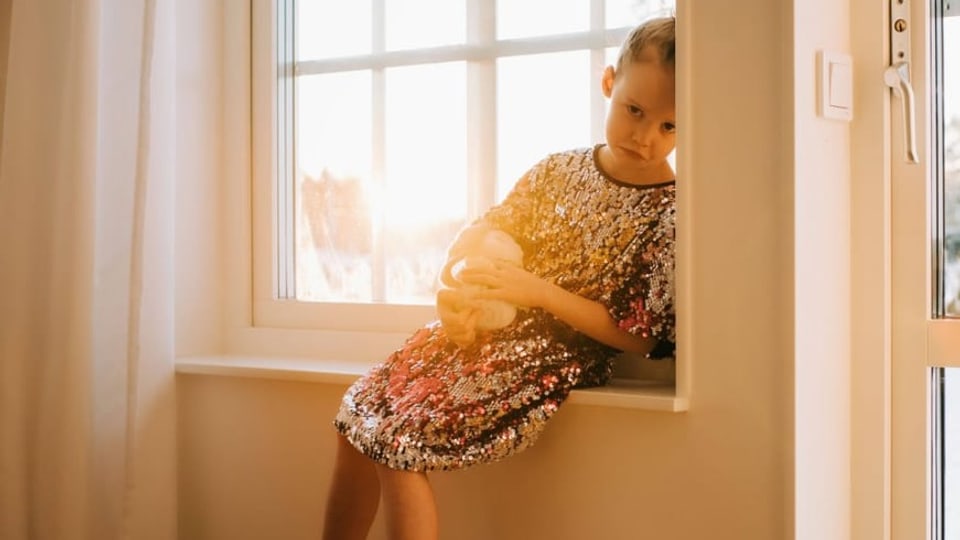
(397, 122)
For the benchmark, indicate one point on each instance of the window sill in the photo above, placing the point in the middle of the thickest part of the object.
(622, 393)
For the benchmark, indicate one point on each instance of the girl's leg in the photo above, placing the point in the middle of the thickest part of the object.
(354, 495)
(411, 511)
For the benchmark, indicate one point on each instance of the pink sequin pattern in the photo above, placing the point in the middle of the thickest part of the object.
(432, 405)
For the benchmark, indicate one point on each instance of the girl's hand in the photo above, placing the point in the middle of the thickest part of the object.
(508, 283)
(457, 315)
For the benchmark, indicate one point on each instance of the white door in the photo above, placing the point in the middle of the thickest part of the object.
(925, 269)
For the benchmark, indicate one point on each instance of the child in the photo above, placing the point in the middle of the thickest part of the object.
(597, 230)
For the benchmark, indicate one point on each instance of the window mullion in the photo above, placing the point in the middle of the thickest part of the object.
(494, 49)
(481, 110)
(378, 93)
(284, 235)
(598, 111)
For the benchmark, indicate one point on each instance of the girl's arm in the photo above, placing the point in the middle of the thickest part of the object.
(592, 319)
(522, 288)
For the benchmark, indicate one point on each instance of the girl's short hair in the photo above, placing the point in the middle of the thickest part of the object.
(659, 33)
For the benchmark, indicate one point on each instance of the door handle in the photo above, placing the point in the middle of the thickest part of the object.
(897, 77)
(897, 74)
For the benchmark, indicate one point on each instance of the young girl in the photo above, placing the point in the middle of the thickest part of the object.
(597, 230)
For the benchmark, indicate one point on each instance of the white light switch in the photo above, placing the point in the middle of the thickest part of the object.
(841, 86)
(836, 85)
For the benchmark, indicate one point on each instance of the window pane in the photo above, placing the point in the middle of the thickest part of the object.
(425, 197)
(949, 396)
(333, 240)
(951, 118)
(543, 106)
(633, 12)
(951, 452)
(331, 29)
(525, 18)
(424, 23)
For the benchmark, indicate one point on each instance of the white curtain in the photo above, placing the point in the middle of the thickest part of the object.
(87, 405)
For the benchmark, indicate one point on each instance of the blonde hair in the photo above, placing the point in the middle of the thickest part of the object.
(658, 34)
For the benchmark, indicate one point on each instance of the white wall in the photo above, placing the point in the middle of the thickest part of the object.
(768, 197)
(200, 168)
(822, 259)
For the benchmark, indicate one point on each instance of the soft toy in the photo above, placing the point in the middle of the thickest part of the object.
(479, 248)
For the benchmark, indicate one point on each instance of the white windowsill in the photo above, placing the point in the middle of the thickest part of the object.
(625, 393)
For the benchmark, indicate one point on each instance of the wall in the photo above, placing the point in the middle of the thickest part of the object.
(822, 259)
(766, 195)
(199, 171)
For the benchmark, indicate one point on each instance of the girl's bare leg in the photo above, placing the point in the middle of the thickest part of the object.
(411, 510)
(354, 495)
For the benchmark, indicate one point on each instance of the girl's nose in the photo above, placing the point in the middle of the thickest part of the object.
(644, 133)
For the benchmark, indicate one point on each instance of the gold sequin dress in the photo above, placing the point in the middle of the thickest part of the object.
(432, 405)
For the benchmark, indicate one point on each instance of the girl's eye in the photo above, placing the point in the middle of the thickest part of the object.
(669, 128)
(635, 111)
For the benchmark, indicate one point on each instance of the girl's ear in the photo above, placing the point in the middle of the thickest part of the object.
(606, 81)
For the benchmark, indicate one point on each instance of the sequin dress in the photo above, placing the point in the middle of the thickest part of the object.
(432, 405)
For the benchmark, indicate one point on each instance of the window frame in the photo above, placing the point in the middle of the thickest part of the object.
(257, 326)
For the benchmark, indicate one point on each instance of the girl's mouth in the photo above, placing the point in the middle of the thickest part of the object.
(633, 154)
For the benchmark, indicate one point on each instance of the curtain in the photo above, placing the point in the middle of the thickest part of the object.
(87, 404)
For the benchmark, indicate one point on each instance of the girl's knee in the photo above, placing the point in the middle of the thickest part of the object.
(345, 447)
(342, 441)
(348, 455)
(388, 475)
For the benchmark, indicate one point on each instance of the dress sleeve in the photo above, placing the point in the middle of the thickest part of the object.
(644, 304)
(515, 215)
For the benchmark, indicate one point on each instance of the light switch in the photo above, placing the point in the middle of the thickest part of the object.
(836, 85)
(841, 86)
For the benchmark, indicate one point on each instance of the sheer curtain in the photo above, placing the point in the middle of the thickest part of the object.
(87, 410)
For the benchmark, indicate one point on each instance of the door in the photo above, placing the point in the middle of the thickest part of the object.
(925, 268)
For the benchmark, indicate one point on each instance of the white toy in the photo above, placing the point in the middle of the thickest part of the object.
(481, 248)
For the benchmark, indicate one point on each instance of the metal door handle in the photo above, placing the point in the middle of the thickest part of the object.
(897, 77)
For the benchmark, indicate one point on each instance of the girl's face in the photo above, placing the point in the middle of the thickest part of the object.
(641, 121)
